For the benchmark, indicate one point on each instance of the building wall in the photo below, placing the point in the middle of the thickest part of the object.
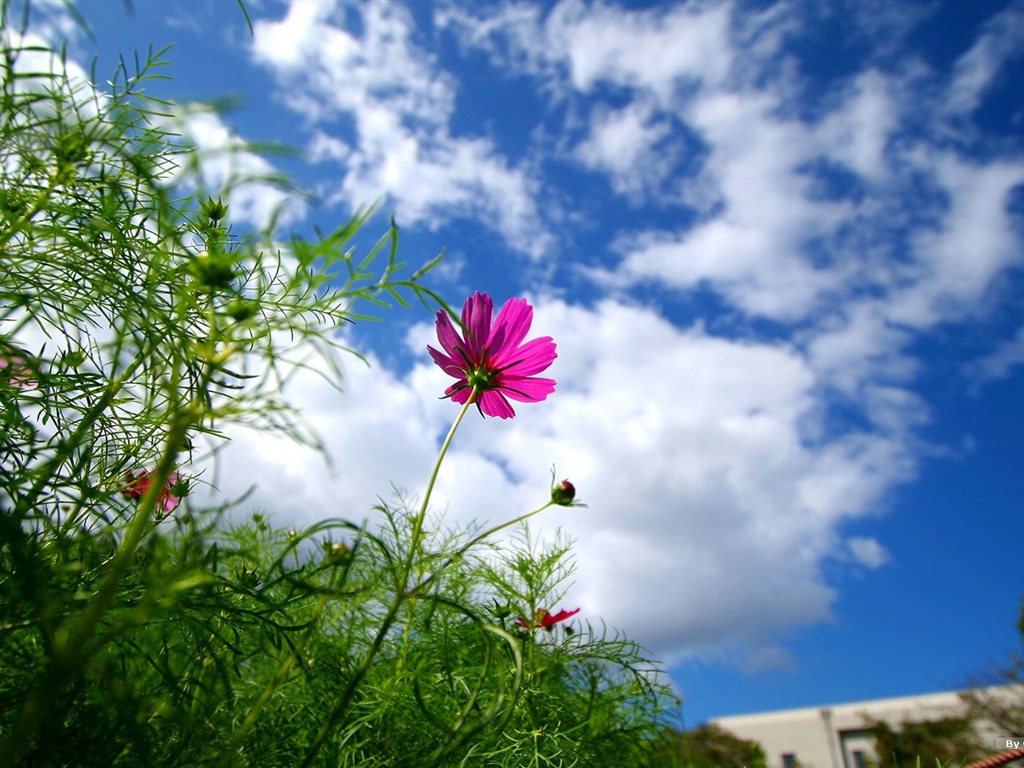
(836, 736)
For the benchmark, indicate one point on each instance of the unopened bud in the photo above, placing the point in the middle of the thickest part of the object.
(336, 552)
(249, 577)
(180, 487)
(563, 493)
(241, 310)
(213, 271)
(214, 210)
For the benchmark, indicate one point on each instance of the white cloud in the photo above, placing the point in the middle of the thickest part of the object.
(974, 243)
(858, 346)
(1001, 361)
(712, 504)
(777, 238)
(655, 50)
(859, 131)
(224, 162)
(1002, 40)
(325, 147)
(625, 143)
(753, 251)
(868, 552)
(399, 103)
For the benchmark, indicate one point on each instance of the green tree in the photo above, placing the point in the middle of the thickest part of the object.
(997, 699)
(945, 741)
(706, 746)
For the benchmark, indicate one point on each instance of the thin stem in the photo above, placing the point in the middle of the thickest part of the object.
(283, 669)
(72, 647)
(417, 523)
(401, 593)
(73, 643)
(476, 540)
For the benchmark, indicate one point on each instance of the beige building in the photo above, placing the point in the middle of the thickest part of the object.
(836, 736)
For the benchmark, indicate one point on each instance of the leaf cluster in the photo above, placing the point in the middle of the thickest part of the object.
(706, 746)
(996, 700)
(134, 325)
(943, 741)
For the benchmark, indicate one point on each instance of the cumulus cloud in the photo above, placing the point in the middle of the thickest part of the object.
(597, 43)
(223, 162)
(382, 107)
(720, 470)
(632, 146)
(712, 495)
(798, 214)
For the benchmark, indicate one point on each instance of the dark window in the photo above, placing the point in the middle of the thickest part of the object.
(788, 760)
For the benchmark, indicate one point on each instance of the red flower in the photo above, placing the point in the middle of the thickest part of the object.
(545, 620)
(490, 360)
(139, 484)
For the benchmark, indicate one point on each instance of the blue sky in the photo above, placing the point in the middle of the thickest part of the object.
(780, 247)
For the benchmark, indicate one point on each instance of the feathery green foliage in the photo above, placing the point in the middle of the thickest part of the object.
(138, 628)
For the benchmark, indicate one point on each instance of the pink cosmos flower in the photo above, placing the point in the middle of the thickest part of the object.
(490, 361)
(137, 485)
(14, 367)
(545, 620)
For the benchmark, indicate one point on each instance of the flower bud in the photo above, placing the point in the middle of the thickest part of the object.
(180, 487)
(563, 493)
(213, 272)
(336, 552)
(241, 310)
(249, 577)
(214, 210)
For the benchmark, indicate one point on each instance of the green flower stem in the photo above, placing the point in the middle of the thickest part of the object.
(417, 523)
(476, 540)
(402, 592)
(282, 670)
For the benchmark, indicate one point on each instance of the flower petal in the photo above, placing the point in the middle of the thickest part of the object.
(560, 616)
(493, 403)
(534, 356)
(447, 364)
(476, 316)
(458, 392)
(509, 329)
(447, 335)
(526, 389)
